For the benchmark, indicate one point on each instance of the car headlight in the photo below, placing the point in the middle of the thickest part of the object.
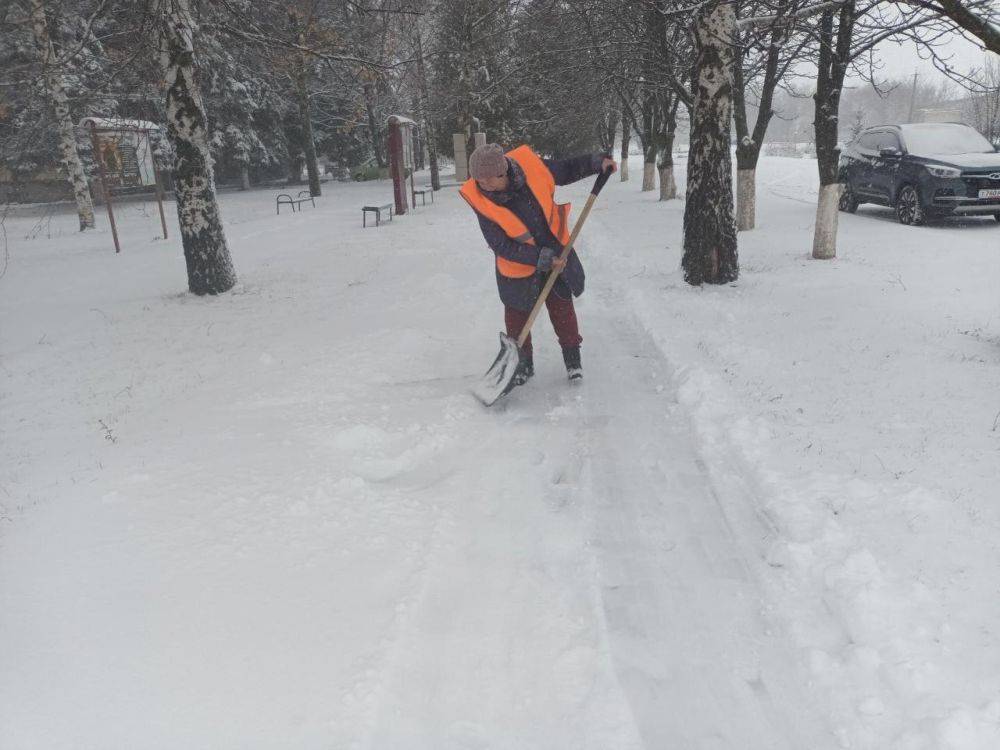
(948, 172)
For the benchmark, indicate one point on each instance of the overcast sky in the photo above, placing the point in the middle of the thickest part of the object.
(903, 60)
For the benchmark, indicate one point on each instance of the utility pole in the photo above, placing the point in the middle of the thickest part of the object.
(913, 98)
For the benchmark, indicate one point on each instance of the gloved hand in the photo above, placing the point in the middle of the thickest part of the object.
(548, 259)
(545, 257)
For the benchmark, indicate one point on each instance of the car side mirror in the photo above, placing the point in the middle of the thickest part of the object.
(888, 152)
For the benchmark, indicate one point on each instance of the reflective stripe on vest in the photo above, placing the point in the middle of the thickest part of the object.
(543, 187)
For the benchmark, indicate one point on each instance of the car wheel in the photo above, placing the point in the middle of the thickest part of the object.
(997, 216)
(848, 202)
(908, 208)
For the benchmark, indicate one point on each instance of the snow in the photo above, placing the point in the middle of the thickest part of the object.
(277, 518)
(399, 120)
(118, 123)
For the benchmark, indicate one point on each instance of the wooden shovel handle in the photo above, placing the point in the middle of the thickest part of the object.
(602, 178)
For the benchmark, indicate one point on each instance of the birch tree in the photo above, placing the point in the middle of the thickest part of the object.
(710, 251)
(55, 88)
(209, 265)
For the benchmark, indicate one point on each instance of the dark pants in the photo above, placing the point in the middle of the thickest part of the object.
(561, 313)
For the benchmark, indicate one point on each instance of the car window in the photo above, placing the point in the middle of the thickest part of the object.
(868, 142)
(888, 139)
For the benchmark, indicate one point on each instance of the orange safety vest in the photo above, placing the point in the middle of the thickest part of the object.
(543, 187)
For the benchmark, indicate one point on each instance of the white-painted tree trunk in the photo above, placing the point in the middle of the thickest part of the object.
(244, 177)
(825, 237)
(668, 187)
(649, 176)
(209, 264)
(623, 169)
(56, 89)
(746, 199)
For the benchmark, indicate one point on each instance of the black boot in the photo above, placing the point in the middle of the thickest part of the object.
(525, 369)
(571, 356)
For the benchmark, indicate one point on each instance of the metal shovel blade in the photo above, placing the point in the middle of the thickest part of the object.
(499, 379)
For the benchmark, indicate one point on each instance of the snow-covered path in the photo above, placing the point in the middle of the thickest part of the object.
(588, 591)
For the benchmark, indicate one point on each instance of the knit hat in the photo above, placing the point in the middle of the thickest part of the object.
(487, 161)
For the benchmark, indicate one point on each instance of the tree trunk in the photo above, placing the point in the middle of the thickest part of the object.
(835, 50)
(746, 161)
(668, 186)
(827, 214)
(295, 169)
(626, 141)
(429, 134)
(827, 157)
(209, 265)
(432, 155)
(746, 199)
(56, 90)
(244, 177)
(608, 130)
(668, 130)
(305, 117)
(648, 136)
(373, 129)
(748, 145)
(649, 174)
(710, 254)
(308, 144)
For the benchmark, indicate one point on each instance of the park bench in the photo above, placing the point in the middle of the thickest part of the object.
(284, 199)
(377, 210)
(423, 196)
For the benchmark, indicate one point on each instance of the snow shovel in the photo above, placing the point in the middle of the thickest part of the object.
(499, 379)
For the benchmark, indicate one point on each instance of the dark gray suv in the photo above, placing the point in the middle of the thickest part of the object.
(924, 171)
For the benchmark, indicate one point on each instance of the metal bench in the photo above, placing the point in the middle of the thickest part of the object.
(303, 196)
(377, 210)
(423, 196)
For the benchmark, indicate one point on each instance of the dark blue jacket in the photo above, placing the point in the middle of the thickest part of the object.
(522, 293)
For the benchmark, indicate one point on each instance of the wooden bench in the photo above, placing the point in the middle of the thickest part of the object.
(377, 210)
(304, 195)
(423, 196)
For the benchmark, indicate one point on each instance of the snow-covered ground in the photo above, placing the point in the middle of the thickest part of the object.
(767, 520)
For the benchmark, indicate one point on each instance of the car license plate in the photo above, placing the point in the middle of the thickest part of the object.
(993, 193)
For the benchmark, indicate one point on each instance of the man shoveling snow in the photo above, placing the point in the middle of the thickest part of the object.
(513, 195)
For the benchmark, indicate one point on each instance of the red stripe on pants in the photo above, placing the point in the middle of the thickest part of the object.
(561, 313)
